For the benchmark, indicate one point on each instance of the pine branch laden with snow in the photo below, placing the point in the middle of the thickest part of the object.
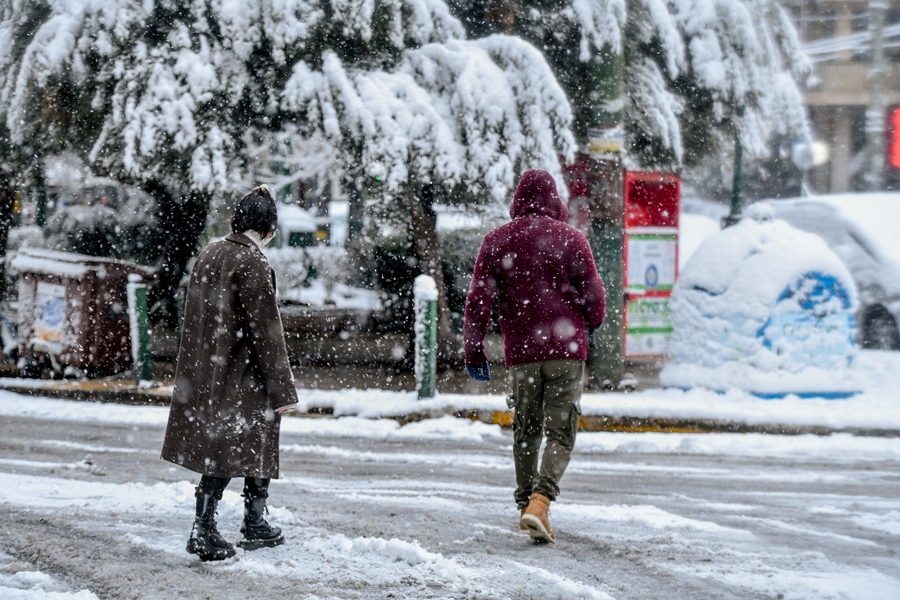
(7, 47)
(164, 115)
(171, 112)
(182, 107)
(652, 110)
(158, 115)
(474, 113)
(743, 54)
(541, 104)
(600, 22)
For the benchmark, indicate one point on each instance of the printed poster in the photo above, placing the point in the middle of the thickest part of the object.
(49, 317)
(651, 261)
(648, 326)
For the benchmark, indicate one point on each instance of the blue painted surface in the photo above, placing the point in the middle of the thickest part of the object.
(808, 395)
(815, 290)
(801, 395)
(812, 323)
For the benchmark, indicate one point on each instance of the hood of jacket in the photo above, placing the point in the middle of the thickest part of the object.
(537, 195)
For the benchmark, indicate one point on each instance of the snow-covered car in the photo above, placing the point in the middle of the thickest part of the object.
(862, 229)
(765, 307)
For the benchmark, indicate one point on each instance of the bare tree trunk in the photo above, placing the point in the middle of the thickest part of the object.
(356, 213)
(423, 222)
(7, 201)
(183, 219)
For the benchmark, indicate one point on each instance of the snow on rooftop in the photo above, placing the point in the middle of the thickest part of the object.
(294, 218)
(21, 263)
(63, 264)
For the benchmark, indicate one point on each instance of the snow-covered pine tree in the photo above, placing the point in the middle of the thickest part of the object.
(184, 91)
(696, 71)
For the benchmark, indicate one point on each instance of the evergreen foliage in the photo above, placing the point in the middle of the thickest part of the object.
(697, 72)
(183, 92)
(194, 100)
(410, 101)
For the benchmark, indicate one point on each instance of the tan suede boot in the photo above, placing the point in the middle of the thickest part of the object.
(522, 528)
(536, 519)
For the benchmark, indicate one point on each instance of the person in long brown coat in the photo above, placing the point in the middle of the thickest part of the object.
(233, 379)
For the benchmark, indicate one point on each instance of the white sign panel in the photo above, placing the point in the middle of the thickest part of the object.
(648, 326)
(651, 261)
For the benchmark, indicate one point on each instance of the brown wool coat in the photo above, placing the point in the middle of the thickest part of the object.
(233, 371)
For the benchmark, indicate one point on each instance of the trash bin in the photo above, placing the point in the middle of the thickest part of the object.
(767, 308)
(73, 312)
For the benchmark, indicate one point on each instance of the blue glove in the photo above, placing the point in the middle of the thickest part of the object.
(591, 343)
(480, 372)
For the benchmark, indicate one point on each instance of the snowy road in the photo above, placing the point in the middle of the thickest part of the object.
(375, 511)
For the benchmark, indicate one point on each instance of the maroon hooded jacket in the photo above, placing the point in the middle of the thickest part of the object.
(543, 274)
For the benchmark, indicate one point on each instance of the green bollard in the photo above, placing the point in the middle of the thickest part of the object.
(425, 302)
(140, 332)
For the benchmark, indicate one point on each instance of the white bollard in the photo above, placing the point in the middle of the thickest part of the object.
(425, 297)
(140, 333)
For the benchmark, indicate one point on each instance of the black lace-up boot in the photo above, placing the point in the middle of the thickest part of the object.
(256, 531)
(205, 540)
(215, 538)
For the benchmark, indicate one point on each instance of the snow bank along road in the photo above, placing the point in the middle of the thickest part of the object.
(874, 411)
(374, 510)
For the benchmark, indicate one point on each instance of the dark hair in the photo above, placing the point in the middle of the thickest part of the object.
(256, 211)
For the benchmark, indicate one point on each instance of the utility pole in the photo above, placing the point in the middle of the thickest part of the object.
(40, 194)
(875, 113)
(605, 145)
(736, 200)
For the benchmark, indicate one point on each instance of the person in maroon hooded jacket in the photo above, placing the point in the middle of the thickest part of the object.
(550, 300)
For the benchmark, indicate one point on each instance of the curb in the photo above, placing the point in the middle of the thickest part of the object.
(616, 424)
(125, 392)
(116, 391)
(625, 424)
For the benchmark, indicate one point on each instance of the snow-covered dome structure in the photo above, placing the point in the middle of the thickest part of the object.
(767, 308)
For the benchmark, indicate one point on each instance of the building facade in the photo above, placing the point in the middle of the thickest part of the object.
(837, 35)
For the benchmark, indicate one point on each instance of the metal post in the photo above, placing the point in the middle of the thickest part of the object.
(875, 113)
(737, 182)
(426, 327)
(606, 363)
(140, 332)
(40, 194)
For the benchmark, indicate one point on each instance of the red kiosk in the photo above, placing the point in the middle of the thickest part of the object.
(650, 251)
(652, 204)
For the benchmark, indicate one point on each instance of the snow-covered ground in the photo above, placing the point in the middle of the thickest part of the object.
(875, 408)
(375, 510)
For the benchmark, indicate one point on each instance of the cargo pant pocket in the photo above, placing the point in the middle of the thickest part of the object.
(574, 416)
(518, 422)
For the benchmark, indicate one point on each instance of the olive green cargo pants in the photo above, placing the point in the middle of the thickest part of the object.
(547, 399)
